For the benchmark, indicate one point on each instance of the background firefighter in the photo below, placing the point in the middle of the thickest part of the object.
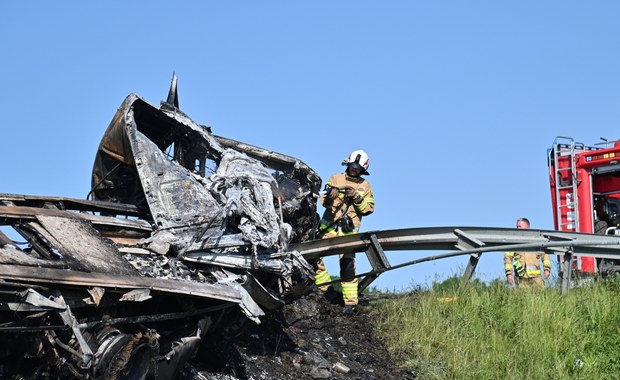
(526, 265)
(347, 198)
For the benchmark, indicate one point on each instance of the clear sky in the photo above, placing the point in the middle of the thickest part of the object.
(456, 102)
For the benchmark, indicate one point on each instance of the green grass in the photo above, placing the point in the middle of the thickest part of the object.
(474, 331)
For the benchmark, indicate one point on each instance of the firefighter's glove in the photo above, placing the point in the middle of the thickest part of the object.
(331, 193)
(353, 195)
(519, 268)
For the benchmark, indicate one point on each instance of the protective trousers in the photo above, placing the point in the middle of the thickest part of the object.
(530, 282)
(347, 274)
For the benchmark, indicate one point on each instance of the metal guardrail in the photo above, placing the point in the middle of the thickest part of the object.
(459, 241)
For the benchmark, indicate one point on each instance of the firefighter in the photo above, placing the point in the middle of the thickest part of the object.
(347, 198)
(601, 219)
(526, 265)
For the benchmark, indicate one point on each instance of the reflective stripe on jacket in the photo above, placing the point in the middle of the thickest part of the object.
(334, 228)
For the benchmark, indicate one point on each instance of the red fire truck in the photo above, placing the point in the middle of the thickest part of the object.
(585, 193)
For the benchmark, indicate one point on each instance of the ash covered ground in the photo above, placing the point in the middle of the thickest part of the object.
(309, 338)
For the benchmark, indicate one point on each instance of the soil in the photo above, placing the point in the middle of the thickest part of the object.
(309, 338)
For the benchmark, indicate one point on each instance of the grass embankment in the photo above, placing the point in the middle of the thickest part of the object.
(474, 331)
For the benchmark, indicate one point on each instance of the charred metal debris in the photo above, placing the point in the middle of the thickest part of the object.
(183, 233)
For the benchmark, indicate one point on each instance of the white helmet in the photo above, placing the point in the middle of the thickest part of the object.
(358, 159)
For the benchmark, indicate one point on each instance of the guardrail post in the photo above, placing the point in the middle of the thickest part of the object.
(378, 261)
(464, 243)
(567, 269)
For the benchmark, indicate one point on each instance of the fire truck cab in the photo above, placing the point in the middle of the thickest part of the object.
(585, 194)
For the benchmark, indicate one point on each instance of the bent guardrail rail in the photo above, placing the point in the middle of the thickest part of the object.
(460, 241)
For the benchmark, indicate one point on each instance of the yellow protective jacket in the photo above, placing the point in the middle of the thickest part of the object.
(529, 261)
(335, 208)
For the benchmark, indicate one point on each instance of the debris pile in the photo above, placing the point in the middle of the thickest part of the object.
(309, 338)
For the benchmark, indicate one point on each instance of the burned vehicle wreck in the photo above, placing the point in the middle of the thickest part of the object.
(183, 233)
